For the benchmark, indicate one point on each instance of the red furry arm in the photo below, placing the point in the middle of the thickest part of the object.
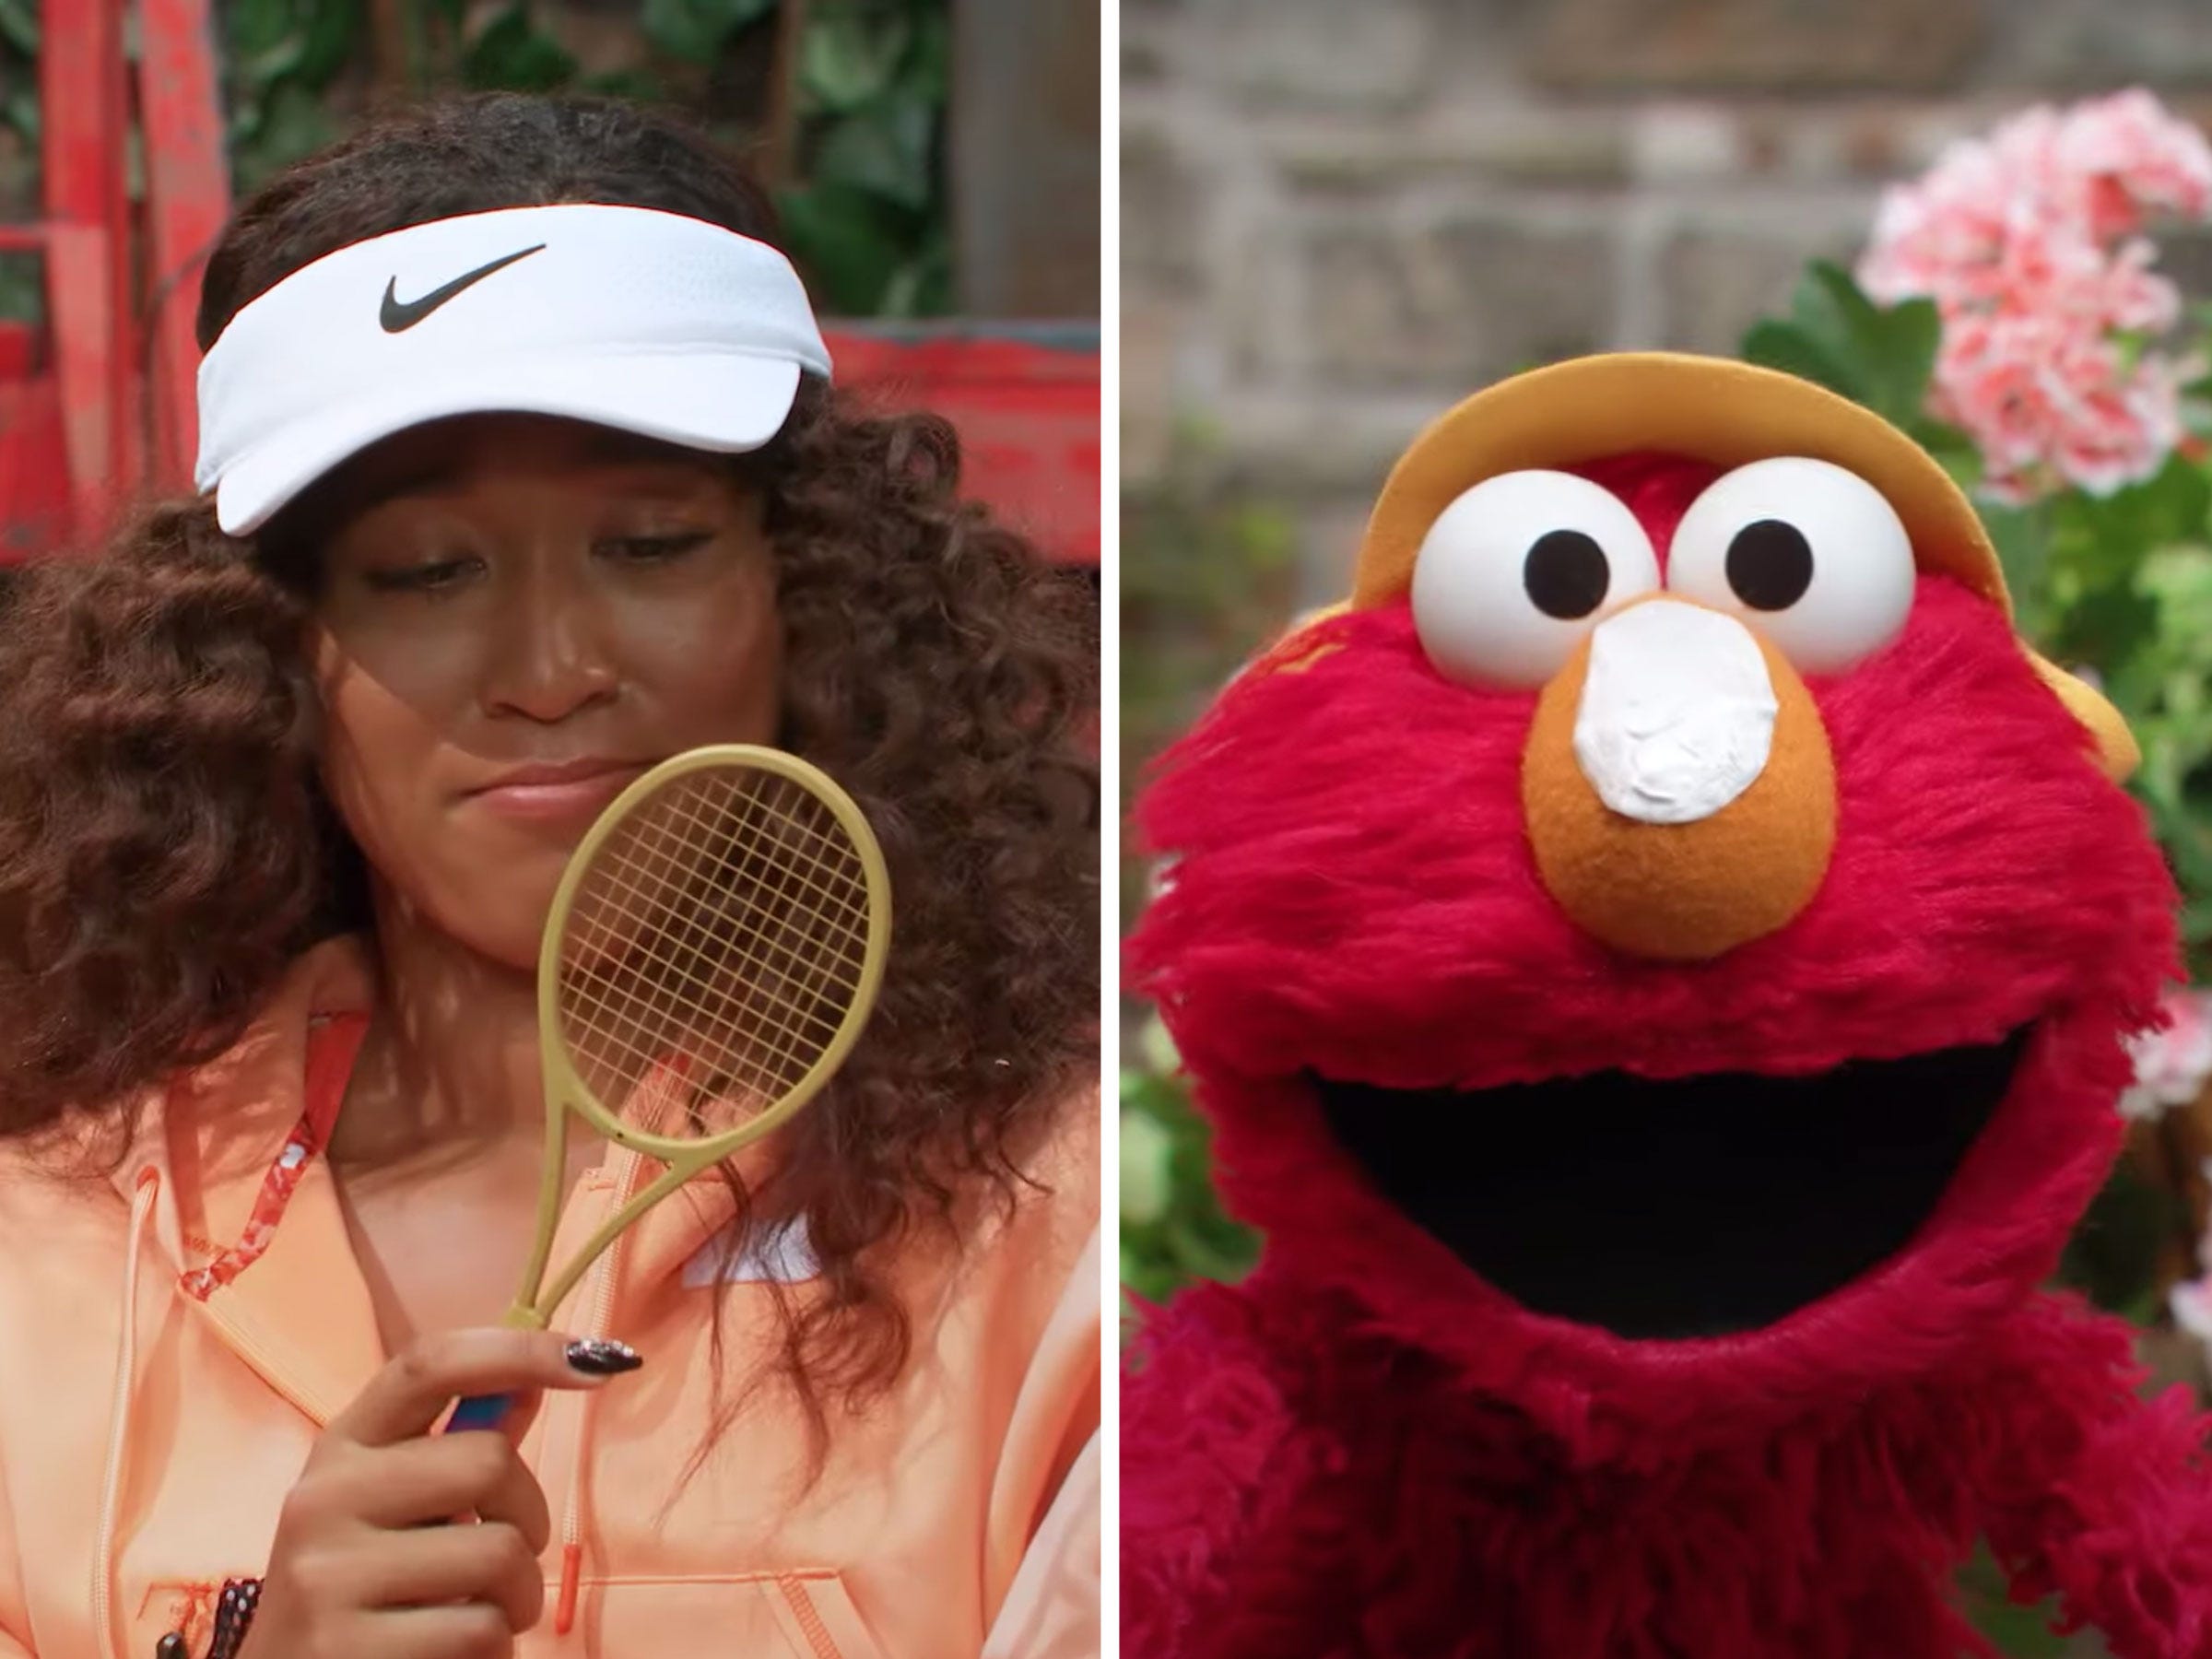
(1215, 1470)
(2090, 1492)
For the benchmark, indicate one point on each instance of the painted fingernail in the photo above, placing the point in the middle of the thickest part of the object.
(602, 1357)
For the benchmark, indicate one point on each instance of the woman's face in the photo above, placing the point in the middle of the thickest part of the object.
(517, 616)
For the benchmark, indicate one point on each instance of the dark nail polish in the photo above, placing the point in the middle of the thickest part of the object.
(602, 1357)
(171, 1646)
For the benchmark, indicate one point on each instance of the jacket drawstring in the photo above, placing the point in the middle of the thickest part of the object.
(604, 1281)
(119, 1418)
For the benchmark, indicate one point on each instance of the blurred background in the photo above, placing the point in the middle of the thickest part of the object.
(936, 162)
(1339, 220)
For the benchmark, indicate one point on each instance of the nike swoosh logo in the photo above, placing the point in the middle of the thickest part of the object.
(399, 315)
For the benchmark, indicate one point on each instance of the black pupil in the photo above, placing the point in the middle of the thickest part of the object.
(1769, 565)
(1566, 575)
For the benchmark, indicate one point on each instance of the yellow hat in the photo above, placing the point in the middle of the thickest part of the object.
(1710, 409)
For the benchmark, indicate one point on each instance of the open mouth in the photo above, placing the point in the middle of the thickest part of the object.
(1692, 1206)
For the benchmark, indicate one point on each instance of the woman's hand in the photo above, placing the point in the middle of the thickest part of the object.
(400, 1544)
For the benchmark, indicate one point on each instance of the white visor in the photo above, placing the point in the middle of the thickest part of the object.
(627, 317)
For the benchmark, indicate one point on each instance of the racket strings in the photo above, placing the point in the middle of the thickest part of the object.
(723, 928)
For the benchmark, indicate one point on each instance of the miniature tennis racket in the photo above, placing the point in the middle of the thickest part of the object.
(712, 952)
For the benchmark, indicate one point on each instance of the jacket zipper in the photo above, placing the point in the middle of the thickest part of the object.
(810, 1622)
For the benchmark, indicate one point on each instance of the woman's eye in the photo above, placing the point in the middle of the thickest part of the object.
(655, 549)
(431, 577)
(1808, 553)
(1516, 571)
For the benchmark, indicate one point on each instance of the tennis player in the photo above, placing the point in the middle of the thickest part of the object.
(521, 470)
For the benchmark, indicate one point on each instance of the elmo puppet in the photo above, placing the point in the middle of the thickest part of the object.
(1658, 962)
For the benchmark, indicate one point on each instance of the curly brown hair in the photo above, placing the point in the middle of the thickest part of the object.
(166, 850)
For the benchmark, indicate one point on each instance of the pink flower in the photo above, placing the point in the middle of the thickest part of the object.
(2192, 1304)
(2171, 1065)
(2048, 402)
(2136, 159)
(2027, 242)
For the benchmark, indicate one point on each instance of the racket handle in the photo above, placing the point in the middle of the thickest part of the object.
(479, 1411)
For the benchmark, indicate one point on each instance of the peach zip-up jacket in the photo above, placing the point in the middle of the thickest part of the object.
(173, 1339)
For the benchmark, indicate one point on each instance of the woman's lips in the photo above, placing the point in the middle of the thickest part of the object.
(556, 799)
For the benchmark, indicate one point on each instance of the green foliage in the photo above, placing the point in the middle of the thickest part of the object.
(697, 30)
(278, 59)
(2114, 1257)
(1206, 580)
(511, 54)
(867, 209)
(1172, 1229)
(868, 221)
(1837, 337)
(2020, 1632)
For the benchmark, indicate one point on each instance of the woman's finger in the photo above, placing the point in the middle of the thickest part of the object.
(440, 1477)
(412, 1393)
(472, 1631)
(467, 1561)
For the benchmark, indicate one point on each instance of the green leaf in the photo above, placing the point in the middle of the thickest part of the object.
(2117, 1248)
(257, 27)
(1158, 1048)
(928, 74)
(333, 31)
(2022, 537)
(1147, 1168)
(2020, 1632)
(294, 124)
(1836, 336)
(19, 26)
(22, 289)
(263, 70)
(678, 29)
(848, 242)
(885, 149)
(1211, 1253)
(21, 112)
(696, 30)
(2197, 920)
(1903, 347)
(1817, 306)
(849, 54)
(511, 55)
(1774, 344)
(1891, 351)
(923, 285)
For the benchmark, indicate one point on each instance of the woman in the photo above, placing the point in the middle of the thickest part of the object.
(520, 473)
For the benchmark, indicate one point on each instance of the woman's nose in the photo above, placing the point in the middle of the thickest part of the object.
(551, 655)
(1678, 785)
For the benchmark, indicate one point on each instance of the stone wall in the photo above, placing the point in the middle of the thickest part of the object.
(1339, 216)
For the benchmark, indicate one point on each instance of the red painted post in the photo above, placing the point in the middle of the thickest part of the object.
(188, 198)
(81, 306)
(84, 106)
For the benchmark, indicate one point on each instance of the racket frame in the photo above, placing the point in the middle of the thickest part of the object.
(684, 1157)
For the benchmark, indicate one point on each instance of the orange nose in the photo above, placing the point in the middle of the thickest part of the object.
(1732, 837)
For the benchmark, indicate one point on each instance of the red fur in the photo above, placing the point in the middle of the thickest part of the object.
(1366, 1450)
(1298, 1482)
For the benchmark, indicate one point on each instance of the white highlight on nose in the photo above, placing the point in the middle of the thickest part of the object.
(1677, 713)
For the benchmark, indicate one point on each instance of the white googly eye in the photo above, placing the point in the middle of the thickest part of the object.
(1518, 569)
(1810, 555)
